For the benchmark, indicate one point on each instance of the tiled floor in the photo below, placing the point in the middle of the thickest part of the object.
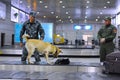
(56, 75)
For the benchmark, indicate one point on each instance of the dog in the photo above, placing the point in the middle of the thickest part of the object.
(44, 48)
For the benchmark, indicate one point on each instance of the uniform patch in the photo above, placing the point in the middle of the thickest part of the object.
(115, 30)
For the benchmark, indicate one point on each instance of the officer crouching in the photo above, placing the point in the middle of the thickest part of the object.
(33, 28)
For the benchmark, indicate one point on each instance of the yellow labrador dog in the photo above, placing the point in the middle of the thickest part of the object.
(42, 47)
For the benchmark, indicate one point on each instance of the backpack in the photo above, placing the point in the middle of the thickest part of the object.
(62, 61)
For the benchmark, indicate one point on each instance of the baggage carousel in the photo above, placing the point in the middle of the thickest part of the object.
(75, 47)
(68, 51)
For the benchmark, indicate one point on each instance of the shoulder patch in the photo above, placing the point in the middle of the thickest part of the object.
(115, 30)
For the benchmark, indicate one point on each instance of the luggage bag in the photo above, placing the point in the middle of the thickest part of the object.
(112, 63)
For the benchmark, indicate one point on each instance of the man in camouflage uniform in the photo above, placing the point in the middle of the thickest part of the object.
(33, 28)
(106, 36)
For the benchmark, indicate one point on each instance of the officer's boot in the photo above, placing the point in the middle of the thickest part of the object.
(24, 55)
(37, 57)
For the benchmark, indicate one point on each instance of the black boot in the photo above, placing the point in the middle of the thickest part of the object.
(37, 57)
(24, 56)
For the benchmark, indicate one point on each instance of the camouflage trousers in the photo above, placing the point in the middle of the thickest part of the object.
(105, 49)
(25, 54)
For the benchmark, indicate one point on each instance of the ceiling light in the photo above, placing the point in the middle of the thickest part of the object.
(41, 2)
(86, 13)
(85, 16)
(21, 2)
(60, 20)
(101, 13)
(108, 2)
(105, 7)
(85, 20)
(66, 12)
(28, 6)
(44, 16)
(52, 12)
(96, 19)
(69, 17)
(71, 21)
(63, 6)
(46, 6)
(38, 12)
(56, 16)
(88, 1)
(87, 6)
(60, 1)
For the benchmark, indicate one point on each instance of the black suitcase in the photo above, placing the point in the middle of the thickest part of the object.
(112, 63)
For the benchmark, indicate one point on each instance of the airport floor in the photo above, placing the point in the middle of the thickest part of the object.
(89, 69)
(79, 68)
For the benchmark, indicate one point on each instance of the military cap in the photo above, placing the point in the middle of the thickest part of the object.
(32, 13)
(107, 18)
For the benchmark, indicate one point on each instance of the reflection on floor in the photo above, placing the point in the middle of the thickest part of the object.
(66, 52)
(22, 75)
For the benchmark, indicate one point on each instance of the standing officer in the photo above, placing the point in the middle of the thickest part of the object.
(106, 36)
(33, 28)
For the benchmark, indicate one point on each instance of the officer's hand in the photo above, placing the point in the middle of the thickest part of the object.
(102, 40)
(21, 44)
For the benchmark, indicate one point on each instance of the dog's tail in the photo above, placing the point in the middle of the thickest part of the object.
(26, 37)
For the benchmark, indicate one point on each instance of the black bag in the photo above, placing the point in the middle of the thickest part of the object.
(112, 63)
(62, 61)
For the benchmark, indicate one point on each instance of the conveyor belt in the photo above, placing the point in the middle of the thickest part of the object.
(66, 53)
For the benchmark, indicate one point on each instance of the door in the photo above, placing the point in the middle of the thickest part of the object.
(12, 39)
(2, 39)
(88, 39)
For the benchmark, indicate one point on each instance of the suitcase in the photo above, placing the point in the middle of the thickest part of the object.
(112, 63)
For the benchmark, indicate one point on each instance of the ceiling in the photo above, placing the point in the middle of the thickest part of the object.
(71, 11)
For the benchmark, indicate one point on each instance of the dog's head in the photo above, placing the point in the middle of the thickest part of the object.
(57, 52)
(25, 36)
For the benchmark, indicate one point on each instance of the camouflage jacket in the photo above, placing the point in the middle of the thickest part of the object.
(107, 32)
(33, 29)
